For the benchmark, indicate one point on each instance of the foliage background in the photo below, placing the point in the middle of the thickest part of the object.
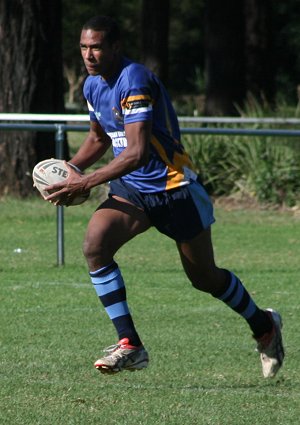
(265, 170)
(226, 165)
(186, 42)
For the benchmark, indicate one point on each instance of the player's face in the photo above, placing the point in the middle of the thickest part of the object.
(99, 56)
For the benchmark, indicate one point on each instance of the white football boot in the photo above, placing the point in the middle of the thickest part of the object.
(123, 356)
(270, 347)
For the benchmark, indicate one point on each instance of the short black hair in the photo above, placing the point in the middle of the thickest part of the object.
(106, 24)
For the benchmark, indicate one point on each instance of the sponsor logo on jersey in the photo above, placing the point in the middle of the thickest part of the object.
(98, 115)
(118, 139)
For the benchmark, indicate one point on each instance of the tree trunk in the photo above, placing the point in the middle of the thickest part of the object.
(31, 81)
(155, 33)
(259, 51)
(74, 82)
(224, 57)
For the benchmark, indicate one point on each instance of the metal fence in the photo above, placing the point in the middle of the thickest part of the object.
(61, 124)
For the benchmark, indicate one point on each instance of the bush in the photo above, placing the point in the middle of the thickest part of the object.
(264, 168)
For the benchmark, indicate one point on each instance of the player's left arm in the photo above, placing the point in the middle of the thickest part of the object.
(134, 156)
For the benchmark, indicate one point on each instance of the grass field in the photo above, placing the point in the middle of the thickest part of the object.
(203, 369)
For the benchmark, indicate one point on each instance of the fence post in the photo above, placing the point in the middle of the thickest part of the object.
(59, 153)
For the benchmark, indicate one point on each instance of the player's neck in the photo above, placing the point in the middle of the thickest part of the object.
(114, 69)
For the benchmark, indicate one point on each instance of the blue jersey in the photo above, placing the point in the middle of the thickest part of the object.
(136, 94)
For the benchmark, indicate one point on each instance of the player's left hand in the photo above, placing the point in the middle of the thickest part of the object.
(64, 192)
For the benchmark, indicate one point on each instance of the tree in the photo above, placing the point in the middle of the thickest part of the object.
(31, 82)
(224, 57)
(259, 50)
(154, 34)
(75, 14)
(286, 31)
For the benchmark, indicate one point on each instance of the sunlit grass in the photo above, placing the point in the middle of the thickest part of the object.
(203, 367)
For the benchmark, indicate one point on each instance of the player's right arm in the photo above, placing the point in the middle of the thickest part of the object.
(93, 147)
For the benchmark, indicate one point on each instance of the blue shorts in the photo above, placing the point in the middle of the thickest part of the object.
(180, 213)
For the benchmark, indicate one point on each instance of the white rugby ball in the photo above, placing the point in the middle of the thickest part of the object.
(51, 171)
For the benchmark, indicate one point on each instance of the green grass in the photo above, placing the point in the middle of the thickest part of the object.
(203, 366)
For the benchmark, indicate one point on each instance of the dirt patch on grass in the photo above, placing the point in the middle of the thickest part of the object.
(243, 202)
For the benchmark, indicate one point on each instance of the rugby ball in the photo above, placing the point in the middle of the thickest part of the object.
(51, 171)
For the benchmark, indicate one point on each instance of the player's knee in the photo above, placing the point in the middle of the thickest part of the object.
(97, 253)
(91, 250)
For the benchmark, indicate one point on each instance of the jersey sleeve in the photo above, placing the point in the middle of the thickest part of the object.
(138, 94)
(91, 112)
(87, 92)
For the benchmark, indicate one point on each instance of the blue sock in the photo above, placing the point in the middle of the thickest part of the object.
(239, 300)
(110, 288)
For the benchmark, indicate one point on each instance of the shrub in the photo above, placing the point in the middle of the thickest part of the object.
(265, 168)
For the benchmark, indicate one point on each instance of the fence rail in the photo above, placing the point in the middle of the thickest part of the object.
(184, 130)
(216, 120)
(61, 124)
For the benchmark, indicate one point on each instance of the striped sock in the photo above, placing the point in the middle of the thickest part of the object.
(110, 288)
(239, 300)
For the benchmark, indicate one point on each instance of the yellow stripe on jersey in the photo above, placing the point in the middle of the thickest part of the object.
(175, 169)
(131, 101)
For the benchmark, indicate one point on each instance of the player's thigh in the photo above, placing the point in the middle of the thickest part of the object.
(113, 224)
